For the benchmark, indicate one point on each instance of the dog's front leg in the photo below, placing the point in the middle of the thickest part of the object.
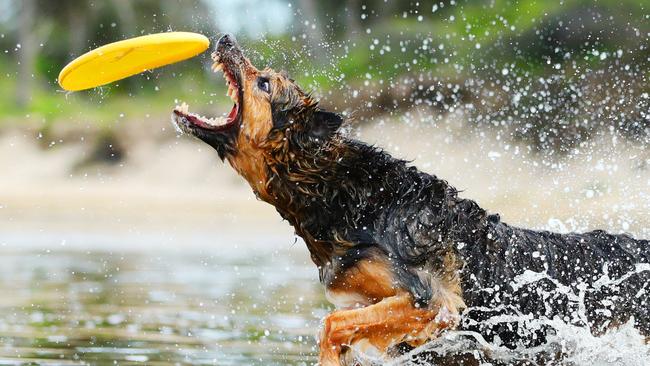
(388, 322)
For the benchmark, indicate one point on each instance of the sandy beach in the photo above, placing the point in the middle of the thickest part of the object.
(176, 190)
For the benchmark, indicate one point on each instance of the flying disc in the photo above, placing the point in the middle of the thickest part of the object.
(122, 59)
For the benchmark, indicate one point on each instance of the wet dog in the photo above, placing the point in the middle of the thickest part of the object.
(401, 256)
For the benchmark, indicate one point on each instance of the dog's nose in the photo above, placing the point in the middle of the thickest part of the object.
(226, 42)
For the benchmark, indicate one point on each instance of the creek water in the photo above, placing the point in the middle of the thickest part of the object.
(230, 307)
(222, 306)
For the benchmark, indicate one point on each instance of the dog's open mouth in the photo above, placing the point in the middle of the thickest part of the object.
(189, 122)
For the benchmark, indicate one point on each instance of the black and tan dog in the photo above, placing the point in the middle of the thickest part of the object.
(400, 254)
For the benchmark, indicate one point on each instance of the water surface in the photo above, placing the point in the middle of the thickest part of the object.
(237, 307)
(232, 302)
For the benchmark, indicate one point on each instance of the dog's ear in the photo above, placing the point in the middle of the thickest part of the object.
(323, 125)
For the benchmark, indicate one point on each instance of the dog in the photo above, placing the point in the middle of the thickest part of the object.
(401, 255)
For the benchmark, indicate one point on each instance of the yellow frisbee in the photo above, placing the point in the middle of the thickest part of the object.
(122, 59)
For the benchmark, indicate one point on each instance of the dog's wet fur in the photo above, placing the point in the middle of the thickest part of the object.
(400, 254)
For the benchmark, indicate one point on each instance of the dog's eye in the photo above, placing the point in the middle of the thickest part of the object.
(264, 85)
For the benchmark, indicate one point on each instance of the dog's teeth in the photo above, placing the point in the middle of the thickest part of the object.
(232, 93)
(217, 67)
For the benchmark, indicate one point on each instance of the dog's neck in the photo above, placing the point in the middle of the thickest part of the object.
(335, 194)
(321, 195)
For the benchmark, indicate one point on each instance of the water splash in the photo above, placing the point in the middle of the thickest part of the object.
(567, 342)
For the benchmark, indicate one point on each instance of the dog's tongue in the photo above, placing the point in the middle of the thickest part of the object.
(233, 112)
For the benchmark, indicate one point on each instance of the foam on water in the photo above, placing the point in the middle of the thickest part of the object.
(570, 345)
(566, 342)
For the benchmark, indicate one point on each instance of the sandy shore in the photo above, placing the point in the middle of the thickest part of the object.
(172, 191)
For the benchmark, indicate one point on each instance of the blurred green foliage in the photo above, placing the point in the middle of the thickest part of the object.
(335, 47)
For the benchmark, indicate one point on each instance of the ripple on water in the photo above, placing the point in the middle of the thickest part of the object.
(70, 307)
(73, 308)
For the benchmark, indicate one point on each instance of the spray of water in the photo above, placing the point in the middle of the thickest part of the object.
(569, 342)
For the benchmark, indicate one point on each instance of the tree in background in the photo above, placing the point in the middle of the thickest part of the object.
(26, 51)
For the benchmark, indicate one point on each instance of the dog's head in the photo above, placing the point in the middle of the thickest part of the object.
(271, 115)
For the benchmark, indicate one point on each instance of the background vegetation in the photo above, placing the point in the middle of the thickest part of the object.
(554, 73)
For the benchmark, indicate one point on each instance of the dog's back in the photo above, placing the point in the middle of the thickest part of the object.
(596, 279)
(514, 281)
